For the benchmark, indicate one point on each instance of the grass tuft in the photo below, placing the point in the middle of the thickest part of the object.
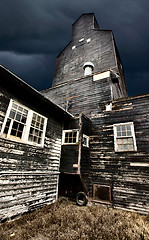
(64, 220)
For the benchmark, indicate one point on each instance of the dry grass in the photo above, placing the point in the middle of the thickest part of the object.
(64, 220)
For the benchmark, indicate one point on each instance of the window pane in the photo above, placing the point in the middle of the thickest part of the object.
(18, 117)
(129, 133)
(35, 139)
(38, 119)
(13, 132)
(125, 147)
(20, 109)
(66, 135)
(123, 133)
(130, 140)
(15, 125)
(119, 134)
(125, 141)
(23, 119)
(37, 124)
(74, 137)
(31, 130)
(12, 114)
(14, 106)
(120, 147)
(42, 120)
(131, 147)
(19, 134)
(119, 141)
(25, 111)
(34, 116)
(123, 128)
(70, 135)
(33, 123)
(20, 128)
(40, 133)
(118, 128)
(74, 134)
(128, 128)
(14, 129)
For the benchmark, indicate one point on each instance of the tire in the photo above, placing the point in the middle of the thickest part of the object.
(81, 199)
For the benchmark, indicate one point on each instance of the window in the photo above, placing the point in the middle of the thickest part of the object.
(85, 141)
(23, 124)
(36, 129)
(124, 137)
(70, 136)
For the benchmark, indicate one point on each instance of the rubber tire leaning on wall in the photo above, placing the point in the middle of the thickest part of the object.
(81, 199)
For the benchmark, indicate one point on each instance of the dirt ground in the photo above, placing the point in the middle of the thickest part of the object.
(64, 220)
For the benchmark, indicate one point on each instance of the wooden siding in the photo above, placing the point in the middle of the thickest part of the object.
(84, 95)
(28, 174)
(70, 153)
(88, 44)
(129, 181)
(99, 50)
(77, 154)
(85, 154)
(69, 157)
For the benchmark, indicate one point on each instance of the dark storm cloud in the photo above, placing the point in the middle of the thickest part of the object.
(33, 32)
(35, 69)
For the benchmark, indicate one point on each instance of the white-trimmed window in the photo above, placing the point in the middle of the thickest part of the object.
(70, 136)
(124, 137)
(23, 124)
(85, 141)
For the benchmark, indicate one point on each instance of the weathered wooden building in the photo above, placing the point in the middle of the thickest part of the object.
(98, 144)
(30, 146)
(89, 80)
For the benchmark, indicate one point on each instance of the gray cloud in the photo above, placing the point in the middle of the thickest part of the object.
(35, 69)
(34, 32)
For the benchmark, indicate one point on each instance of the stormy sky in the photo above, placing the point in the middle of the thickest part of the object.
(33, 32)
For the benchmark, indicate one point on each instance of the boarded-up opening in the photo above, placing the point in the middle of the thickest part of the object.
(102, 193)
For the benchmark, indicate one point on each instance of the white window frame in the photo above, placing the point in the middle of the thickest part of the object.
(27, 126)
(131, 124)
(87, 140)
(70, 131)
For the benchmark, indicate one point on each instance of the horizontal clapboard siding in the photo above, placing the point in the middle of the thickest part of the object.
(129, 182)
(28, 174)
(84, 95)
